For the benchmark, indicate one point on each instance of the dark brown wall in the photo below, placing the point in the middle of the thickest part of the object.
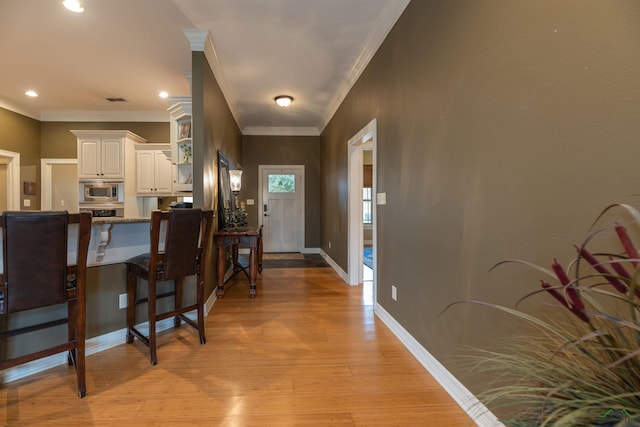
(284, 150)
(21, 134)
(213, 129)
(504, 127)
(59, 143)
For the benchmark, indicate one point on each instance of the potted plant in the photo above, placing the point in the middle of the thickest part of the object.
(581, 368)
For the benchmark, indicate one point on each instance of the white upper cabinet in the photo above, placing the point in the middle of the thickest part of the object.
(101, 154)
(153, 173)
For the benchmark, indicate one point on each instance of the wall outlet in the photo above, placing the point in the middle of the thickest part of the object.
(122, 301)
(394, 293)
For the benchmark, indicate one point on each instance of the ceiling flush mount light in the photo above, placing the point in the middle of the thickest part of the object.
(31, 93)
(283, 100)
(73, 6)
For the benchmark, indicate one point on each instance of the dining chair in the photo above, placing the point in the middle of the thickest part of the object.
(179, 241)
(36, 273)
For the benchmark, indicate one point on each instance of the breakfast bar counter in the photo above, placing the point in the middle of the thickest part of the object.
(114, 240)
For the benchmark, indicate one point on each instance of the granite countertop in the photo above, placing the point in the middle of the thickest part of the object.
(118, 220)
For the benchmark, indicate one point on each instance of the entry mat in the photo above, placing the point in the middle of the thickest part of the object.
(282, 255)
(292, 260)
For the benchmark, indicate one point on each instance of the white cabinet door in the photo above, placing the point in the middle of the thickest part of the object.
(153, 173)
(144, 172)
(89, 159)
(101, 158)
(112, 158)
(162, 173)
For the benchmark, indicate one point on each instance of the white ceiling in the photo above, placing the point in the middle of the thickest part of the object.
(313, 50)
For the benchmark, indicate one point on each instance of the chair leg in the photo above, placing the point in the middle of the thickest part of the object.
(75, 356)
(177, 283)
(132, 281)
(72, 313)
(80, 321)
(200, 310)
(152, 320)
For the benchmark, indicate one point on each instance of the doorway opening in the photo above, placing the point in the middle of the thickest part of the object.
(362, 217)
(59, 178)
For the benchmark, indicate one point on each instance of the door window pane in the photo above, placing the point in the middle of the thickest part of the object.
(282, 183)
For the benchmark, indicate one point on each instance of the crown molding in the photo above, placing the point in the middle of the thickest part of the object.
(281, 131)
(200, 41)
(197, 38)
(104, 116)
(19, 110)
(379, 31)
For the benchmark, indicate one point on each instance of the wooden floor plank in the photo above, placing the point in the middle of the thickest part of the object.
(305, 352)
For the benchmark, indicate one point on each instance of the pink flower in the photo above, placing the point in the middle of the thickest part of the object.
(631, 251)
(573, 293)
(621, 287)
(580, 314)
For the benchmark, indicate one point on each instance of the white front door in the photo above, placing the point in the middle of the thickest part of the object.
(281, 207)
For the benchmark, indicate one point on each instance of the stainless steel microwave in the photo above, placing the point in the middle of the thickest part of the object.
(101, 192)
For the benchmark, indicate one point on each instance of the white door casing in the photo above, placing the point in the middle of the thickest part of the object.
(46, 179)
(365, 139)
(13, 179)
(281, 214)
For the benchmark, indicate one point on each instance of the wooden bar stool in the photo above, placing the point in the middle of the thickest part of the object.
(36, 274)
(186, 238)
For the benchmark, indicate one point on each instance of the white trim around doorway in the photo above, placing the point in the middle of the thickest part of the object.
(365, 139)
(46, 173)
(13, 179)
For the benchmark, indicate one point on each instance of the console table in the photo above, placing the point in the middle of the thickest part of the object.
(235, 237)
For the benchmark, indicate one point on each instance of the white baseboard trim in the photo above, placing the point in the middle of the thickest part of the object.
(462, 396)
(311, 251)
(93, 346)
(344, 276)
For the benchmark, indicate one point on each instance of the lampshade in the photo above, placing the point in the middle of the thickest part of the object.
(235, 179)
(283, 100)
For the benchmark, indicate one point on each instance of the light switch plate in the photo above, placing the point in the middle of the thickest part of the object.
(381, 198)
(122, 301)
(27, 203)
(250, 202)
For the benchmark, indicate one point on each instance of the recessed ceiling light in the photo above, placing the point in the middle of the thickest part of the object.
(283, 100)
(163, 95)
(31, 93)
(73, 6)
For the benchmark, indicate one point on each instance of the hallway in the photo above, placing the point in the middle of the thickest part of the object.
(306, 351)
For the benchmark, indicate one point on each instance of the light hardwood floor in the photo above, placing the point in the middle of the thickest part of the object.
(306, 351)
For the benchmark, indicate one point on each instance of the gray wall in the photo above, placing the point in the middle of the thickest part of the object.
(284, 150)
(504, 128)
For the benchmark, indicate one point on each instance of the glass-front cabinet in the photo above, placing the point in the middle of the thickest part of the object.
(181, 144)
